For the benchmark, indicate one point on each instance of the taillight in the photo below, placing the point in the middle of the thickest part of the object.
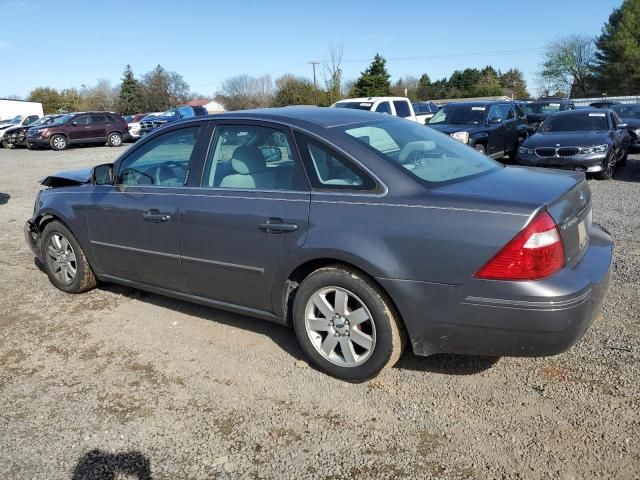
(536, 252)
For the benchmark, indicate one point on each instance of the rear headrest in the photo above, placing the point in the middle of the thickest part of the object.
(248, 159)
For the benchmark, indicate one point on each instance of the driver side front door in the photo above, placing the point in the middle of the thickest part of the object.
(133, 224)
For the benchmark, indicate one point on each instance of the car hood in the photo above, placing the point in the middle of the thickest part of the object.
(4, 126)
(16, 128)
(450, 128)
(68, 178)
(566, 139)
(158, 118)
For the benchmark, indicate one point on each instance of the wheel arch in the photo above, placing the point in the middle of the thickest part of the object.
(297, 275)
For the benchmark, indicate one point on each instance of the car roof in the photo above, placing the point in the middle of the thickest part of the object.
(321, 116)
(370, 99)
(479, 103)
(580, 111)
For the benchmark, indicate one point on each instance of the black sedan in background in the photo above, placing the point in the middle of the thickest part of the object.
(591, 140)
(630, 114)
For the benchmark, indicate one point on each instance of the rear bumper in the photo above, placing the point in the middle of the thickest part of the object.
(485, 317)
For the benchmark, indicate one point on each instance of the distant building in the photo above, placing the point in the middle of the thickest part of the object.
(211, 105)
(9, 108)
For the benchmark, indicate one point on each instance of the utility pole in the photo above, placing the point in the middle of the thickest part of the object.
(315, 85)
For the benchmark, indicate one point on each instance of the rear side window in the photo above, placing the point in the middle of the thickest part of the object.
(402, 108)
(328, 169)
(98, 119)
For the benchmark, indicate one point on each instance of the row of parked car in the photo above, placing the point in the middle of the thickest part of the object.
(549, 132)
(60, 131)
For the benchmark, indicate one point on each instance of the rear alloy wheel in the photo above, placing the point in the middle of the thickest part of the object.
(114, 139)
(345, 325)
(64, 261)
(481, 149)
(58, 142)
(608, 168)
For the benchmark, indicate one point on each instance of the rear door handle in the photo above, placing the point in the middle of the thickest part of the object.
(277, 225)
(154, 216)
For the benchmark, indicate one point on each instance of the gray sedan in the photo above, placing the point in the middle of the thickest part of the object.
(364, 232)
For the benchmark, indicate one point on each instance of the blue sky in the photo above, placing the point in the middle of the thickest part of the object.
(68, 43)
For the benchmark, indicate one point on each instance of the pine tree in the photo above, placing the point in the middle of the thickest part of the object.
(424, 87)
(618, 54)
(130, 98)
(374, 81)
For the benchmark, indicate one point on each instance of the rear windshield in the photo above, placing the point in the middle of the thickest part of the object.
(422, 152)
(354, 105)
(576, 122)
(460, 115)
(545, 108)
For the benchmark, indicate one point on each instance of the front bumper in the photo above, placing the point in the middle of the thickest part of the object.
(500, 318)
(32, 236)
(588, 163)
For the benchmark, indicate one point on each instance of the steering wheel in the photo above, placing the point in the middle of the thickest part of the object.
(166, 174)
(409, 153)
(139, 174)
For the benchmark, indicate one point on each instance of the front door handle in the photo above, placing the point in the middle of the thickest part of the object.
(277, 225)
(154, 216)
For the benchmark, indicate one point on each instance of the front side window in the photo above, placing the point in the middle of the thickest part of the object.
(252, 157)
(402, 108)
(384, 107)
(329, 170)
(506, 112)
(82, 120)
(495, 114)
(422, 152)
(163, 161)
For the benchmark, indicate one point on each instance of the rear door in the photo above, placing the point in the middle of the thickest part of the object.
(246, 211)
(98, 124)
(134, 224)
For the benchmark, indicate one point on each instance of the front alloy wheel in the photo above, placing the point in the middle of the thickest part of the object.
(340, 326)
(61, 259)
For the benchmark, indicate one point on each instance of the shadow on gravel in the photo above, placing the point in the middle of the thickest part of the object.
(447, 364)
(630, 172)
(282, 336)
(4, 198)
(99, 465)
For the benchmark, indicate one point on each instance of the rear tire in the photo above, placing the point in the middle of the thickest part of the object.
(355, 333)
(58, 142)
(114, 139)
(481, 148)
(64, 260)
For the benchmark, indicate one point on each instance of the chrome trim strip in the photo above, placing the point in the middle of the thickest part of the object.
(232, 266)
(133, 249)
(424, 206)
(528, 305)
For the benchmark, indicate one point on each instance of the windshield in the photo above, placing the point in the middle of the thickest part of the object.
(576, 122)
(544, 108)
(627, 111)
(42, 121)
(423, 152)
(460, 115)
(16, 119)
(60, 120)
(355, 105)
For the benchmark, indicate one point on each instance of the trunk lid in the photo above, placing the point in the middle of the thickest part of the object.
(565, 194)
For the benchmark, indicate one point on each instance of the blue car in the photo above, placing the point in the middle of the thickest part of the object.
(151, 122)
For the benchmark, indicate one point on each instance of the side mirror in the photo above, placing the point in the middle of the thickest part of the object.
(103, 174)
(74, 123)
(622, 126)
(494, 120)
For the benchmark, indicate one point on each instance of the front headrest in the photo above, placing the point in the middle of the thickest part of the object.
(248, 159)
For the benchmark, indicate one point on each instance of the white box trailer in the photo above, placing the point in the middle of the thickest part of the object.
(10, 108)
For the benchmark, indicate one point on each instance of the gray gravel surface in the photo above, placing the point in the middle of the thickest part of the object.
(118, 383)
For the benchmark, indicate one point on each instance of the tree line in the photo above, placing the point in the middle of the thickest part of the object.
(582, 66)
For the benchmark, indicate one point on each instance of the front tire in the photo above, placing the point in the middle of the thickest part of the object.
(480, 148)
(58, 142)
(346, 325)
(114, 139)
(608, 168)
(64, 261)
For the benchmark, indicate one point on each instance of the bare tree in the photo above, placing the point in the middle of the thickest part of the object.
(332, 72)
(101, 97)
(264, 91)
(243, 91)
(568, 64)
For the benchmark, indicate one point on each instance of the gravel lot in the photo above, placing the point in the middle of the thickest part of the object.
(118, 383)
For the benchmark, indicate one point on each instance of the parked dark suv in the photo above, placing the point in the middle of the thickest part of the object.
(76, 128)
(493, 128)
(540, 109)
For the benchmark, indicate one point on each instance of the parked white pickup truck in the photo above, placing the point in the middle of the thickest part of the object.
(397, 106)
